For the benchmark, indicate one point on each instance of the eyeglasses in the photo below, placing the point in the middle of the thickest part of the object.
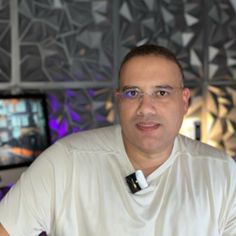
(162, 93)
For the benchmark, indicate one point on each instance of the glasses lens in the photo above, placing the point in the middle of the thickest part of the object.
(130, 94)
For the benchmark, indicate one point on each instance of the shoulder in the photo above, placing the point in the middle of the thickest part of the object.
(206, 163)
(199, 149)
(92, 140)
(205, 156)
(64, 156)
(99, 142)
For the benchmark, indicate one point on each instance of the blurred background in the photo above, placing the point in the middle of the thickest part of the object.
(70, 50)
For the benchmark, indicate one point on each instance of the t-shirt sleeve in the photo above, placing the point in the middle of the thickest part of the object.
(27, 209)
(230, 216)
(230, 227)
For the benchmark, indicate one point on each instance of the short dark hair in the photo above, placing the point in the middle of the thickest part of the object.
(151, 49)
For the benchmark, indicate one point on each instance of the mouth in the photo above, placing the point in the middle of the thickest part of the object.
(147, 126)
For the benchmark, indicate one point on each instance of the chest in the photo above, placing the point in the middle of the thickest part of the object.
(101, 204)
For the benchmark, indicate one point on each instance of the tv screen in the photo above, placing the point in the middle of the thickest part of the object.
(24, 133)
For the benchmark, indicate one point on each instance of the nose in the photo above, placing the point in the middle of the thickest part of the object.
(146, 105)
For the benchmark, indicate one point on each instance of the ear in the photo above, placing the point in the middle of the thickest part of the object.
(186, 97)
(116, 94)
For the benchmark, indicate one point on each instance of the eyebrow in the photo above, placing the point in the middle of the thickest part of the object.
(164, 87)
(155, 87)
(130, 87)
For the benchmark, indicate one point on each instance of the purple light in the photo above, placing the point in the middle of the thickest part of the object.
(91, 92)
(62, 131)
(4, 190)
(100, 118)
(69, 93)
(53, 124)
(75, 117)
(60, 128)
(54, 103)
(75, 129)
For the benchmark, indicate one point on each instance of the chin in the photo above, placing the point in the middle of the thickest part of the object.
(148, 148)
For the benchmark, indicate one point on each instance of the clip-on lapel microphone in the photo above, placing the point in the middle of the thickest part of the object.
(136, 181)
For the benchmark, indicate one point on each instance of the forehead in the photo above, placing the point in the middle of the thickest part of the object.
(150, 70)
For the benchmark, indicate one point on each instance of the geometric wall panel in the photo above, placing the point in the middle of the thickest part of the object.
(221, 118)
(222, 40)
(77, 110)
(5, 42)
(65, 40)
(175, 24)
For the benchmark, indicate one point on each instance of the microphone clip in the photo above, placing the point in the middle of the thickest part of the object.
(136, 181)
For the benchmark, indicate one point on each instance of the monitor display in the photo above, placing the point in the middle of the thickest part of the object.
(24, 133)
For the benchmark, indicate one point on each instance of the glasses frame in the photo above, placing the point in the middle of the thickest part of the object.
(165, 88)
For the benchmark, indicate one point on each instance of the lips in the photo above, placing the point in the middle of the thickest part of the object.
(147, 126)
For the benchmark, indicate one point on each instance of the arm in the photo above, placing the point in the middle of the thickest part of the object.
(34, 209)
(3, 232)
(30, 213)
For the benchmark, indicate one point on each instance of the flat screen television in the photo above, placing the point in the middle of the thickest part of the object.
(24, 134)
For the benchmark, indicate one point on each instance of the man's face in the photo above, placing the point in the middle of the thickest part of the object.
(150, 123)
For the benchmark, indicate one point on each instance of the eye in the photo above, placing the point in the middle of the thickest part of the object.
(130, 93)
(162, 92)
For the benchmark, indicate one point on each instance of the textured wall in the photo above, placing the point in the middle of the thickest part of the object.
(71, 49)
(5, 42)
(68, 45)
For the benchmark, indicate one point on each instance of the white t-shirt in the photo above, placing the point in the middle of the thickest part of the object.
(77, 187)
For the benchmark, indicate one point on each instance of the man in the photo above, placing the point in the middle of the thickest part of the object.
(139, 178)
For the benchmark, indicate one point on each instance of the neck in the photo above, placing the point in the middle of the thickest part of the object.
(147, 162)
